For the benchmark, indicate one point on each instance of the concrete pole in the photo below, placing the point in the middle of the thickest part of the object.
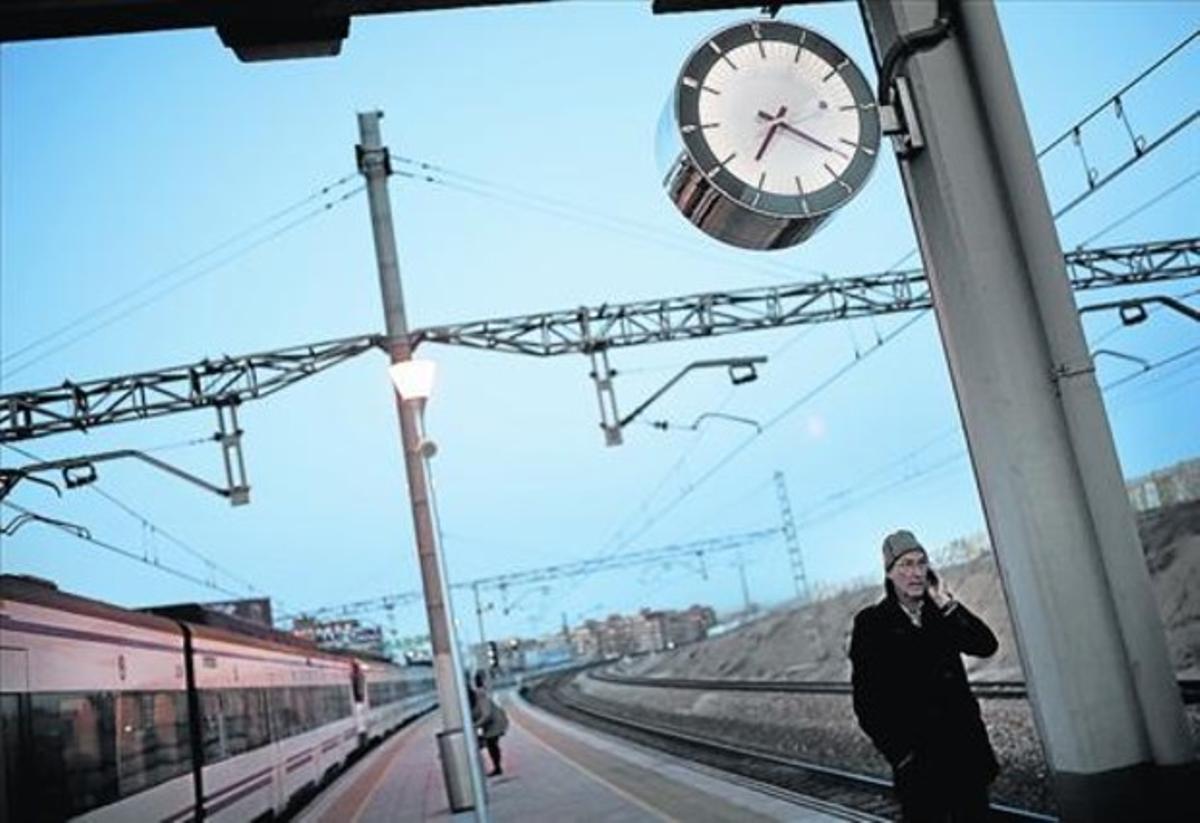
(463, 781)
(1101, 684)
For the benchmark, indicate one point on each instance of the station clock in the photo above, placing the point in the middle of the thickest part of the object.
(772, 129)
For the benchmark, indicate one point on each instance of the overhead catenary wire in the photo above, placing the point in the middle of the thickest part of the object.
(564, 210)
(128, 554)
(157, 278)
(211, 564)
(173, 287)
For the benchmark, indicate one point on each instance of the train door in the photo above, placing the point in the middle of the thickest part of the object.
(14, 733)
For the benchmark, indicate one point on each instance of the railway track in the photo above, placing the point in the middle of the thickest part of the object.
(992, 690)
(855, 796)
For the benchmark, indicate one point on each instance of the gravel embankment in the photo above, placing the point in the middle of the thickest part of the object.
(822, 728)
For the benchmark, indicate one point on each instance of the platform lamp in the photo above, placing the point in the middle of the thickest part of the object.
(413, 380)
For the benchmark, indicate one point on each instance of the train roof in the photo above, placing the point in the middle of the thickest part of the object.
(39, 592)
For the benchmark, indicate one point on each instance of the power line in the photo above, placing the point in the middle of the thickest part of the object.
(565, 210)
(153, 527)
(79, 534)
(1152, 366)
(1140, 208)
(160, 294)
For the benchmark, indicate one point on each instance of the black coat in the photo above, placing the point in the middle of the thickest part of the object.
(910, 689)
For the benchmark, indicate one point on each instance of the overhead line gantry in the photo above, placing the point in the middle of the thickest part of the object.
(226, 382)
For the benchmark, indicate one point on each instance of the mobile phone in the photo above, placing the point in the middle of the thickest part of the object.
(931, 577)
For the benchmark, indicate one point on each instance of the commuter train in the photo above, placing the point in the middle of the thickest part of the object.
(108, 714)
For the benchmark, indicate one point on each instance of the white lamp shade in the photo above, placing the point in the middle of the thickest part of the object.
(413, 379)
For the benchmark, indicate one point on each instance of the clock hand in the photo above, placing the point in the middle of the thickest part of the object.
(766, 142)
(805, 135)
(765, 116)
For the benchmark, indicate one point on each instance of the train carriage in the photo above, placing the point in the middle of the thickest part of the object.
(394, 694)
(177, 713)
(275, 721)
(93, 710)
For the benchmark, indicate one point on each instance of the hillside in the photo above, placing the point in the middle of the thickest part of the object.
(810, 642)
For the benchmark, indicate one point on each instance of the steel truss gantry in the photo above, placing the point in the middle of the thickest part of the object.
(696, 550)
(223, 382)
(585, 330)
(229, 381)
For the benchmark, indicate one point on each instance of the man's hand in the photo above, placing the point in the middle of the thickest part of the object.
(941, 596)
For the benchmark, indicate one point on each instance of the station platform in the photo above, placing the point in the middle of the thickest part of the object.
(553, 771)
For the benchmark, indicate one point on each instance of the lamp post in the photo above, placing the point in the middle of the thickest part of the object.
(414, 381)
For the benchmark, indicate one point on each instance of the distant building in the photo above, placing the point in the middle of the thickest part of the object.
(1166, 487)
(649, 630)
(256, 610)
(346, 634)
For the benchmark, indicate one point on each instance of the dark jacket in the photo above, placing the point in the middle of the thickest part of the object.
(910, 689)
(486, 714)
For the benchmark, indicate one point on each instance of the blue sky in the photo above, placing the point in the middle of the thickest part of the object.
(122, 158)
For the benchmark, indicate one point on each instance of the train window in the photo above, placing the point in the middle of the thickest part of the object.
(233, 709)
(73, 763)
(210, 726)
(14, 784)
(153, 744)
(258, 732)
(282, 713)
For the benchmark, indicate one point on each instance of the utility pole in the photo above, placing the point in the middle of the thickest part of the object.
(460, 763)
(479, 617)
(747, 606)
(799, 576)
(1101, 683)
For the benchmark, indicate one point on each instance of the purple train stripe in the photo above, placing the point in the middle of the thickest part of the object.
(182, 816)
(292, 766)
(238, 784)
(213, 808)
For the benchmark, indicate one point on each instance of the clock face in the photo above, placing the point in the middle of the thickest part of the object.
(778, 118)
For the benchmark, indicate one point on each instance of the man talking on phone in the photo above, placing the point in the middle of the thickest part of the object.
(911, 694)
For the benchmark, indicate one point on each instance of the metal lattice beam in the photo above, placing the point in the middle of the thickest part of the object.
(233, 380)
(224, 382)
(707, 315)
(695, 550)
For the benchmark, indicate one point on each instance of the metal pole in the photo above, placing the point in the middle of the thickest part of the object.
(479, 617)
(1100, 680)
(741, 564)
(456, 747)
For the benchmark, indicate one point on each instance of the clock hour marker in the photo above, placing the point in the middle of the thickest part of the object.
(800, 46)
(723, 55)
(835, 70)
(854, 145)
(721, 164)
(709, 125)
(758, 36)
(799, 185)
(761, 180)
(710, 90)
(839, 180)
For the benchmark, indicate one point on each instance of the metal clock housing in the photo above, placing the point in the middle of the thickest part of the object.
(774, 128)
